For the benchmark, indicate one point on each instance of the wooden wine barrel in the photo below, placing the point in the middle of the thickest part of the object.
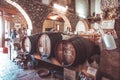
(47, 42)
(29, 43)
(75, 51)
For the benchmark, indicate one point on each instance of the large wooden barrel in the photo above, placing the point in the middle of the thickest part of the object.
(75, 50)
(29, 43)
(47, 42)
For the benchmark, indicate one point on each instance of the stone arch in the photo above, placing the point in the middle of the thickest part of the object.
(82, 25)
(70, 19)
(64, 17)
(38, 13)
(22, 11)
(73, 19)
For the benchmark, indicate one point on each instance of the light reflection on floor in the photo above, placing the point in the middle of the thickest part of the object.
(8, 69)
(11, 71)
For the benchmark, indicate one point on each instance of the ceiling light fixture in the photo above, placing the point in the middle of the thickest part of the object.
(60, 8)
(54, 17)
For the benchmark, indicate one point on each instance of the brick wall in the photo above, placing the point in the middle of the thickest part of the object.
(18, 18)
(38, 13)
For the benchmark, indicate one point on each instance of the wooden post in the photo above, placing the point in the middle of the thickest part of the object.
(89, 7)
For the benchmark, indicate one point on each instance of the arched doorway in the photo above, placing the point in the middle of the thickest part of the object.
(22, 11)
(82, 26)
(57, 20)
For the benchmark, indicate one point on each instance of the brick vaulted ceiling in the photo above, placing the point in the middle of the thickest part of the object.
(38, 13)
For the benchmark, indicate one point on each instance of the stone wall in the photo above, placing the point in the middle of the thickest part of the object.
(18, 18)
(38, 13)
(73, 20)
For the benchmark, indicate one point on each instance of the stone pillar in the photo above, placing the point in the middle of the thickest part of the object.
(2, 30)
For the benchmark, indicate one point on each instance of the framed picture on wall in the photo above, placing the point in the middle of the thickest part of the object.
(17, 26)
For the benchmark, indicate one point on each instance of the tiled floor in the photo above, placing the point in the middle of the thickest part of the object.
(11, 71)
(8, 69)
